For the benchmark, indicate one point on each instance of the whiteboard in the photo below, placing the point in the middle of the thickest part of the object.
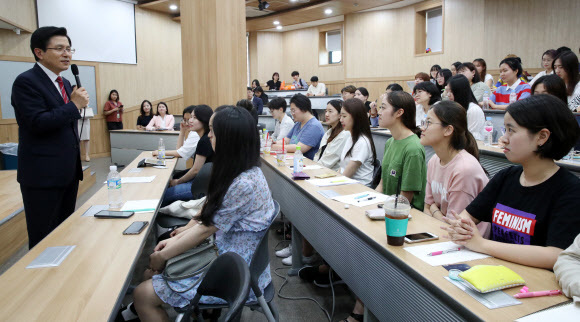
(11, 70)
(100, 30)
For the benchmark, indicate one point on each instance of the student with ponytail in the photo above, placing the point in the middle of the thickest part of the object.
(454, 175)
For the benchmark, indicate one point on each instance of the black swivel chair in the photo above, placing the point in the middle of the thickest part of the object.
(228, 278)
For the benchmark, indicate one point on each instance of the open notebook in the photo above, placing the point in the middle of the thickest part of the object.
(563, 312)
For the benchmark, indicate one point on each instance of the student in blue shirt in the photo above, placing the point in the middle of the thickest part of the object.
(256, 101)
(307, 131)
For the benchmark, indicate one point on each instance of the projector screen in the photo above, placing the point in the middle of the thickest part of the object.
(100, 30)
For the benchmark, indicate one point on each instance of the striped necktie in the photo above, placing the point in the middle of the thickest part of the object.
(62, 91)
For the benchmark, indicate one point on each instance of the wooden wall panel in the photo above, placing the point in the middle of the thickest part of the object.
(21, 12)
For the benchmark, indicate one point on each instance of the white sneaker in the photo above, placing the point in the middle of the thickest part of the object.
(287, 261)
(284, 252)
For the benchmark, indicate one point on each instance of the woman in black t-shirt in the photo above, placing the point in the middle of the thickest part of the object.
(146, 115)
(533, 207)
(180, 189)
(274, 83)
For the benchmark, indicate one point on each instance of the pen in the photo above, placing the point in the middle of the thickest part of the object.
(362, 196)
(445, 251)
(369, 198)
(537, 294)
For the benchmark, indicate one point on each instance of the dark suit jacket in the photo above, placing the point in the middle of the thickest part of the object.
(48, 149)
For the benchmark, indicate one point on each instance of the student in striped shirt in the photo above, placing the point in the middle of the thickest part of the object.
(509, 69)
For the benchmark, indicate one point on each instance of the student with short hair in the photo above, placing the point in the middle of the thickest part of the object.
(459, 91)
(284, 123)
(256, 101)
(426, 94)
(316, 88)
(298, 82)
(566, 66)
(163, 120)
(358, 155)
(509, 71)
(255, 83)
(433, 73)
(248, 106)
(422, 77)
(532, 207)
(145, 115)
(348, 92)
(551, 84)
(259, 92)
(334, 139)
(454, 175)
(113, 111)
(275, 83)
(547, 59)
(477, 86)
(187, 139)
(481, 67)
(307, 131)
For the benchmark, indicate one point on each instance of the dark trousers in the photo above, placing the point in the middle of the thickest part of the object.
(114, 126)
(46, 208)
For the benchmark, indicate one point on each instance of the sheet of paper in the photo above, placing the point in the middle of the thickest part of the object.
(362, 199)
(308, 167)
(94, 209)
(136, 179)
(51, 257)
(491, 300)
(463, 255)
(140, 205)
(560, 313)
(135, 170)
(328, 193)
(334, 181)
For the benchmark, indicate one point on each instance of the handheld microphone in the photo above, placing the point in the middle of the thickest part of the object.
(75, 70)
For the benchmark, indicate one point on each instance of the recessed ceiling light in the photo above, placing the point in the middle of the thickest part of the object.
(279, 27)
(276, 22)
(173, 7)
(328, 11)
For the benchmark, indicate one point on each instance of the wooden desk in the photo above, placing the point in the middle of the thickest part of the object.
(13, 232)
(392, 283)
(91, 282)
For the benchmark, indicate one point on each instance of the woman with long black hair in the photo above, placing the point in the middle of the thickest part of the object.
(458, 90)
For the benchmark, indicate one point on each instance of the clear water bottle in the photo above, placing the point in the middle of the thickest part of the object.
(114, 188)
(298, 160)
(161, 150)
(261, 141)
(486, 100)
(513, 97)
(488, 127)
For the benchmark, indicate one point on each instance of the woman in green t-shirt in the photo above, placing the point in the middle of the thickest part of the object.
(404, 155)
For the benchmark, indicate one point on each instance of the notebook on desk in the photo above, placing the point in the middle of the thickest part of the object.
(562, 312)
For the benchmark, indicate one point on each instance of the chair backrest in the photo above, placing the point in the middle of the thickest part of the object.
(377, 173)
(261, 259)
(200, 183)
(228, 278)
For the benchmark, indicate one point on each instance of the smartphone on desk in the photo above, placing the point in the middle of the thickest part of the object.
(136, 228)
(420, 237)
(114, 214)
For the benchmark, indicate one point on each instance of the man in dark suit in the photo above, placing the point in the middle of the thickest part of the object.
(47, 110)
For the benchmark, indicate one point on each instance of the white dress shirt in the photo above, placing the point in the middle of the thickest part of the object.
(52, 77)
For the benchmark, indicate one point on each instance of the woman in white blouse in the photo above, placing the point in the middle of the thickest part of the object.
(547, 60)
(481, 67)
(358, 155)
(459, 91)
(566, 66)
(334, 139)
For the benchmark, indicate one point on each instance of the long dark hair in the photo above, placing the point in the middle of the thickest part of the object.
(554, 85)
(462, 93)
(476, 78)
(203, 114)
(357, 110)
(150, 105)
(403, 100)
(483, 68)
(569, 62)
(446, 73)
(237, 149)
(451, 113)
(337, 104)
(111, 92)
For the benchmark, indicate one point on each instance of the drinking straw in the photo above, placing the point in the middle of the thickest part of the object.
(398, 191)
(283, 145)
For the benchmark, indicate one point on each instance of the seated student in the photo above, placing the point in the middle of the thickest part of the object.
(532, 207)
(443, 77)
(256, 101)
(163, 120)
(454, 67)
(275, 83)
(567, 270)
(248, 106)
(145, 115)
(426, 94)
(454, 175)
(422, 77)
(298, 82)
(547, 59)
(316, 88)
(348, 92)
(566, 66)
(551, 84)
(433, 73)
(284, 123)
(307, 131)
(180, 189)
(521, 75)
(481, 67)
(255, 83)
(239, 206)
(477, 86)
(188, 138)
(459, 91)
(334, 139)
(358, 155)
(390, 88)
(259, 92)
(509, 69)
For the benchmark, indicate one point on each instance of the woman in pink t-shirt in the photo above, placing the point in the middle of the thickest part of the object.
(454, 175)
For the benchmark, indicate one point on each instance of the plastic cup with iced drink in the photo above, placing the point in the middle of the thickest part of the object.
(396, 219)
